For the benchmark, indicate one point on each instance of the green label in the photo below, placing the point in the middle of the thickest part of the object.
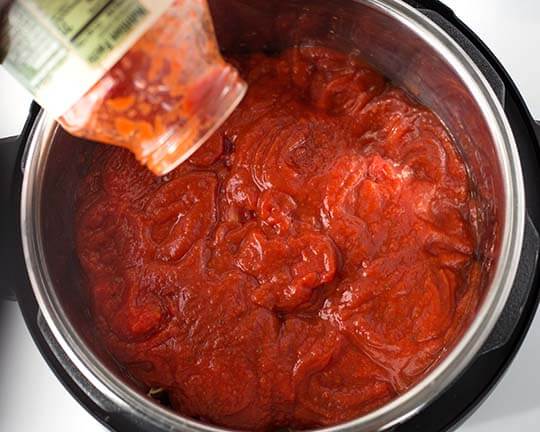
(93, 27)
(32, 53)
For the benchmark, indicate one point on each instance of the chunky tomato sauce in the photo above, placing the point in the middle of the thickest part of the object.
(307, 265)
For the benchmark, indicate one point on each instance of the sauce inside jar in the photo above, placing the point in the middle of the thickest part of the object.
(166, 95)
(311, 262)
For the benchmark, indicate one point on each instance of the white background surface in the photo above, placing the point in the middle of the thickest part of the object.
(32, 400)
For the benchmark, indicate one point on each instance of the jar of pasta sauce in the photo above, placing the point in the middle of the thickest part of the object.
(146, 75)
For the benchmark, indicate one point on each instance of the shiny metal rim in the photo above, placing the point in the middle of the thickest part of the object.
(401, 408)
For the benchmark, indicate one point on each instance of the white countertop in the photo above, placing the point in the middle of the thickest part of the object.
(31, 398)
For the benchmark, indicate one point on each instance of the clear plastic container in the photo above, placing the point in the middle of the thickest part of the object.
(166, 96)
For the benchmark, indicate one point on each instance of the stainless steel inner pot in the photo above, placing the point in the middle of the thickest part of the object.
(409, 49)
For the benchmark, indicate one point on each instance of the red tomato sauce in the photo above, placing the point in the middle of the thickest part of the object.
(311, 262)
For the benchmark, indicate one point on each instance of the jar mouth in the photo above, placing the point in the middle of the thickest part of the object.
(180, 142)
(44, 142)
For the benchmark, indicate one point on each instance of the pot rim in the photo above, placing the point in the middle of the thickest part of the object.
(401, 408)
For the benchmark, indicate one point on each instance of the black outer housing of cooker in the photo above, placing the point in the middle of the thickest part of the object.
(446, 412)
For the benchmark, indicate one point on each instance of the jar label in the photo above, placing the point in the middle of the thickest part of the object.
(58, 49)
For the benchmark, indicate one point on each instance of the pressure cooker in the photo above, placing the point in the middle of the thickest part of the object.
(418, 44)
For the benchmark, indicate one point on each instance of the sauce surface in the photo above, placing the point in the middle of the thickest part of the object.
(311, 262)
